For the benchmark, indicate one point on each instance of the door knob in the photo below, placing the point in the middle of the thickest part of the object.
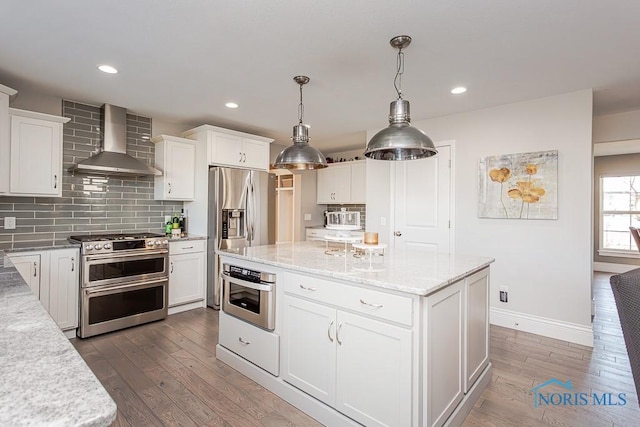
(398, 233)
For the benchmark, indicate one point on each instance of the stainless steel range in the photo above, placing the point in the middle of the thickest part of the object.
(124, 281)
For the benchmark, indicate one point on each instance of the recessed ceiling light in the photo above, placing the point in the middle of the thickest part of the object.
(231, 105)
(107, 69)
(458, 90)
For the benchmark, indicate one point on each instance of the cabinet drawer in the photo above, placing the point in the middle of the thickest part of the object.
(250, 342)
(187, 247)
(382, 305)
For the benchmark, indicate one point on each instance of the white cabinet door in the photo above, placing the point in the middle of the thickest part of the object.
(255, 154)
(224, 149)
(186, 278)
(373, 371)
(308, 348)
(64, 287)
(29, 268)
(36, 156)
(358, 182)
(176, 158)
(334, 184)
(477, 332)
(443, 335)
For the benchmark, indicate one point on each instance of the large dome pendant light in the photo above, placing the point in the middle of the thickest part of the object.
(400, 141)
(300, 155)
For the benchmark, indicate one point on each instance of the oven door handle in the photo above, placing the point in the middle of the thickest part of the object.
(110, 289)
(127, 255)
(257, 286)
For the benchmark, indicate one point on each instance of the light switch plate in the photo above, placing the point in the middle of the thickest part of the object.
(9, 222)
(307, 217)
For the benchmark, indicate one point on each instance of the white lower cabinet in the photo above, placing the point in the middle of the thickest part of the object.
(187, 264)
(53, 277)
(29, 268)
(360, 366)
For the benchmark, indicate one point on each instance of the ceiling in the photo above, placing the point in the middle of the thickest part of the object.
(181, 61)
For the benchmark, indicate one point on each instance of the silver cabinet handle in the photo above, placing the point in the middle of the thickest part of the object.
(188, 247)
(398, 233)
(329, 331)
(35, 269)
(338, 333)
(371, 305)
(55, 182)
(244, 157)
(243, 341)
(172, 268)
(169, 185)
(308, 289)
(240, 159)
(73, 264)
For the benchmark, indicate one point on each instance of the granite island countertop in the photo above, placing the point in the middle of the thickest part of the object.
(413, 272)
(44, 379)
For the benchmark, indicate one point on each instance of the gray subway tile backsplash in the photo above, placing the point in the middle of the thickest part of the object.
(89, 204)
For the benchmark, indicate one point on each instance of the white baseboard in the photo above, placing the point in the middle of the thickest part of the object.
(187, 306)
(572, 332)
(608, 267)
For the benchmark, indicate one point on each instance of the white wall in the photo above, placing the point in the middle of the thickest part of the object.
(545, 264)
(616, 127)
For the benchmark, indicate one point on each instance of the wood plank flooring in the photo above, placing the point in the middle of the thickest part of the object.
(166, 374)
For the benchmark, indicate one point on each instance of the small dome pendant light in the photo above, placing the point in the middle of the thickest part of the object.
(400, 141)
(300, 155)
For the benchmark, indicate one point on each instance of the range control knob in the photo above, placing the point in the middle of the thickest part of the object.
(98, 246)
(150, 242)
(165, 242)
(89, 247)
(107, 246)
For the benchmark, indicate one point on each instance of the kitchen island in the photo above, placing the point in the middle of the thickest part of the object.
(44, 379)
(397, 339)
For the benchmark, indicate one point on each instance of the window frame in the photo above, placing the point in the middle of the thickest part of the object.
(611, 252)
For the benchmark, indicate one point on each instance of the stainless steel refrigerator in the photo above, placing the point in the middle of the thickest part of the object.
(241, 213)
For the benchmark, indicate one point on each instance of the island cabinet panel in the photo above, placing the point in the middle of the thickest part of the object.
(477, 331)
(373, 371)
(444, 341)
(308, 351)
(360, 366)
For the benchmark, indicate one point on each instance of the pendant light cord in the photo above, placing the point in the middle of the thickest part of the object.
(300, 107)
(397, 81)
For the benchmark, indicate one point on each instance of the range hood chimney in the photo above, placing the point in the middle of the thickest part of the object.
(113, 159)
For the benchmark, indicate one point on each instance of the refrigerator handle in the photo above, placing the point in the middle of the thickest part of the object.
(250, 212)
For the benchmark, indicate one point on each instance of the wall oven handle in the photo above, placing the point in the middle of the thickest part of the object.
(257, 286)
(127, 255)
(109, 289)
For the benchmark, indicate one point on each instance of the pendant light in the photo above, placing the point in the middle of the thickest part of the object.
(400, 141)
(300, 155)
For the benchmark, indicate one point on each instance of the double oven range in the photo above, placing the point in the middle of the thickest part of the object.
(124, 281)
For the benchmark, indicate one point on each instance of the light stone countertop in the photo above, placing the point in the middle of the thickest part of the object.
(413, 272)
(44, 379)
(188, 237)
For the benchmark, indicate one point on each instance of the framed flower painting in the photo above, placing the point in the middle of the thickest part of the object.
(519, 186)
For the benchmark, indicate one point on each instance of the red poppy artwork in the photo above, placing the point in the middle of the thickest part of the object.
(519, 186)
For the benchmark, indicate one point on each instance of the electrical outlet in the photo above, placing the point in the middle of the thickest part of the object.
(307, 217)
(9, 222)
(167, 218)
(504, 294)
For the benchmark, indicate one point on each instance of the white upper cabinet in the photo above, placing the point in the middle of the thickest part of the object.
(231, 148)
(5, 135)
(176, 158)
(342, 183)
(35, 153)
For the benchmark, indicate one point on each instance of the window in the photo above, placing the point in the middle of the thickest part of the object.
(620, 209)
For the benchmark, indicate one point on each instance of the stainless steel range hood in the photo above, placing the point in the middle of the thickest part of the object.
(113, 159)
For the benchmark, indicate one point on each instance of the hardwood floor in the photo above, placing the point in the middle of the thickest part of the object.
(166, 373)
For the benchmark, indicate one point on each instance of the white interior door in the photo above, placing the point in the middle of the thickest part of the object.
(422, 203)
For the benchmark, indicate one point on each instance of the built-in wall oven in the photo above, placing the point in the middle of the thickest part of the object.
(124, 281)
(249, 295)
